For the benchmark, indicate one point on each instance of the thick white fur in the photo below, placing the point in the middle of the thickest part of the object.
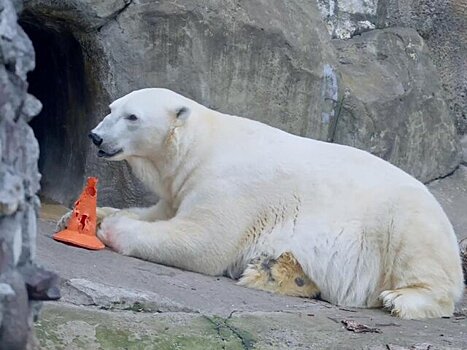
(231, 189)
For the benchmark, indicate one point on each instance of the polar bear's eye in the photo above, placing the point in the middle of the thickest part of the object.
(131, 117)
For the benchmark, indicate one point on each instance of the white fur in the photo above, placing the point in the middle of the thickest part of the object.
(231, 189)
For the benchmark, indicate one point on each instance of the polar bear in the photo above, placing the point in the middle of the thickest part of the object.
(279, 212)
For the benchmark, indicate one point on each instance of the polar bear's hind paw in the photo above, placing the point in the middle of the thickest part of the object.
(283, 275)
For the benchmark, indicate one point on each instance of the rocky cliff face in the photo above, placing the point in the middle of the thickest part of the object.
(393, 100)
(442, 25)
(272, 61)
(22, 283)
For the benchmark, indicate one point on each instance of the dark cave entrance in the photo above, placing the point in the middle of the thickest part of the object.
(59, 82)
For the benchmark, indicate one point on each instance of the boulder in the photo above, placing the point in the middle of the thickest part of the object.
(392, 103)
(440, 23)
(19, 184)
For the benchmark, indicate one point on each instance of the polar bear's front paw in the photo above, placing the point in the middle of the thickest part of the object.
(63, 222)
(124, 213)
(101, 214)
(115, 232)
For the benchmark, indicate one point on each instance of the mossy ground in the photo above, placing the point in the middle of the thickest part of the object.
(68, 327)
(65, 327)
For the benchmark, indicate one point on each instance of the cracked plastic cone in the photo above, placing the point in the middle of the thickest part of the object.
(81, 228)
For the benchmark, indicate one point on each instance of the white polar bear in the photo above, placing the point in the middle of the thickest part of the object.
(281, 212)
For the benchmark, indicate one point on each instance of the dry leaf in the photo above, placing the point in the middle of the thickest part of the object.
(359, 327)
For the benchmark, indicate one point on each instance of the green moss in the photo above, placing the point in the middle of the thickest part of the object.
(112, 338)
(228, 332)
(63, 327)
(46, 332)
(117, 339)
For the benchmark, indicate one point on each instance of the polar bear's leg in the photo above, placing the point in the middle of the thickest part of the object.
(423, 289)
(283, 275)
(160, 211)
(426, 277)
(103, 212)
(417, 302)
(184, 242)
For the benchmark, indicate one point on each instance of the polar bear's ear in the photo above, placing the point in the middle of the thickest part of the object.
(183, 113)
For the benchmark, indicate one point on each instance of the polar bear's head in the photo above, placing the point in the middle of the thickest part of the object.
(138, 123)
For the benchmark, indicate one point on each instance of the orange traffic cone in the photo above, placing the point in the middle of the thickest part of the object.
(81, 228)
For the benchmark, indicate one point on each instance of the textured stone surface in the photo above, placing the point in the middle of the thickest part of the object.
(393, 102)
(346, 18)
(442, 24)
(451, 192)
(271, 61)
(464, 149)
(19, 183)
(81, 291)
(463, 249)
(84, 15)
(312, 328)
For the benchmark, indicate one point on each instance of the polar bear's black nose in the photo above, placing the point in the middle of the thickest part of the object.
(96, 139)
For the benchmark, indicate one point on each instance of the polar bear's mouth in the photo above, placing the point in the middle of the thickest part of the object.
(104, 154)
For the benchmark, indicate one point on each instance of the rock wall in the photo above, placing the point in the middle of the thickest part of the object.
(22, 283)
(393, 100)
(268, 60)
(441, 23)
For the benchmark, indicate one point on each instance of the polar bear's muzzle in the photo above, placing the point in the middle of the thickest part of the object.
(104, 151)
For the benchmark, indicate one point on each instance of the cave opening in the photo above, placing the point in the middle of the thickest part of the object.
(59, 82)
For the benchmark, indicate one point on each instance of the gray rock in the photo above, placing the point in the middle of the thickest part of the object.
(464, 149)
(15, 326)
(393, 105)
(80, 291)
(63, 326)
(11, 191)
(31, 107)
(451, 192)
(86, 15)
(463, 251)
(443, 26)
(346, 18)
(441, 23)
(19, 182)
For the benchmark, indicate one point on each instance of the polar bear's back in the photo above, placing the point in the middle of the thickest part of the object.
(338, 182)
(268, 151)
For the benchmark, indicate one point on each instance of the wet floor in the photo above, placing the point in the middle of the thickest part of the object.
(51, 211)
